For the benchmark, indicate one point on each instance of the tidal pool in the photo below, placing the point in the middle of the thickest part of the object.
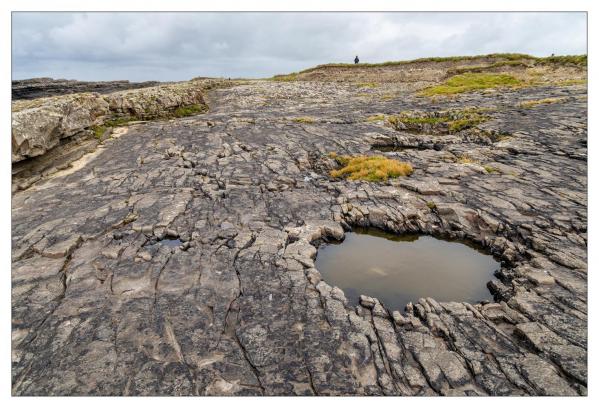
(401, 269)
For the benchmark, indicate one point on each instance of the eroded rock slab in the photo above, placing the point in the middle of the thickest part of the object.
(103, 306)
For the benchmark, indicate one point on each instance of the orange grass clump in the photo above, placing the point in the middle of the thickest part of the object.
(371, 168)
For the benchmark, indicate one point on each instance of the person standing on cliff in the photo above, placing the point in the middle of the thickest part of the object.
(356, 60)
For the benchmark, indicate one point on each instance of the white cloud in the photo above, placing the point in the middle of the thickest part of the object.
(177, 46)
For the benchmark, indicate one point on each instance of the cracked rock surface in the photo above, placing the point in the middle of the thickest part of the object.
(102, 305)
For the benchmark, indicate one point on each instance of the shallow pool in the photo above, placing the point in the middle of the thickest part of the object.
(401, 269)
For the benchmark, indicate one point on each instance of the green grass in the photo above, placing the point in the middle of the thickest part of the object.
(367, 85)
(491, 169)
(431, 205)
(525, 62)
(285, 77)
(119, 121)
(510, 56)
(189, 110)
(99, 131)
(455, 120)
(484, 68)
(471, 82)
(304, 119)
(370, 168)
(466, 123)
(579, 60)
(431, 120)
(506, 56)
(497, 60)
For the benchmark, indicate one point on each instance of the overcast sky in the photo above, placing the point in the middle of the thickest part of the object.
(179, 46)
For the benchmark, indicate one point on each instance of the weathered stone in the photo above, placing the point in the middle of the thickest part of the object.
(239, 309)
(399, 319)
(367, 301)
(431, 187)
(39, 127)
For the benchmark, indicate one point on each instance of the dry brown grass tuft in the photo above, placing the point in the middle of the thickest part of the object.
(304, 119)
(467, 160)
(370, 168)
(367, 85)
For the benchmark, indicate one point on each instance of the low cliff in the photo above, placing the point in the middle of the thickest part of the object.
(39, 125)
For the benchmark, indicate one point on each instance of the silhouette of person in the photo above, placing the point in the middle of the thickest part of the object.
(356, 60)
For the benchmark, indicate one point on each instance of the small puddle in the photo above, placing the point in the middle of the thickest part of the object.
(173, 243)
(401, 269)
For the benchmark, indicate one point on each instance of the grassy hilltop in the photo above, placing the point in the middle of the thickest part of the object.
(451, 75)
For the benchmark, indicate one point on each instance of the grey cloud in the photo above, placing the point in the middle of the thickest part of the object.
(178, 46)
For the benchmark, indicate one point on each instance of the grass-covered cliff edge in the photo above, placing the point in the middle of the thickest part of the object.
(465, 72)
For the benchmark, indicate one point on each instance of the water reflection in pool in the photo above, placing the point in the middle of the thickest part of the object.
(401, 269)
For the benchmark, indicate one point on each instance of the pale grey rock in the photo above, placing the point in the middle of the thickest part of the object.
(367, 301)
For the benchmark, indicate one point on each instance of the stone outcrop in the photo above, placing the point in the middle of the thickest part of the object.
(41, 124)
(39, 127)
(156, 102)
(43, 87)
(103, 304)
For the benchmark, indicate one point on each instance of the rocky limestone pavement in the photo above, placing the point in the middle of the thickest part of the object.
(105, 301)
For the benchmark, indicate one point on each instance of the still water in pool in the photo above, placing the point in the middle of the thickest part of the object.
(401, 269)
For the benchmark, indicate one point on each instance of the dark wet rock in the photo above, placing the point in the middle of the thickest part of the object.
(44, 87)
(101, 307)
